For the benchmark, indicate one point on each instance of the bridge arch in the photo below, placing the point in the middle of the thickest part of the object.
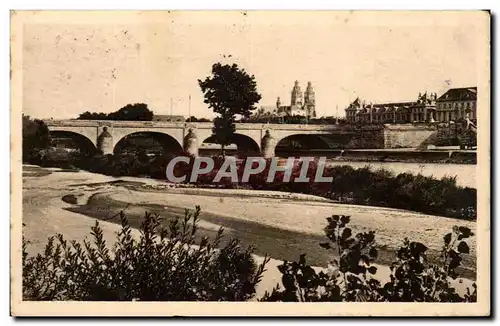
(150, 141)
(302, 142)
(73, 140)
(245, 144)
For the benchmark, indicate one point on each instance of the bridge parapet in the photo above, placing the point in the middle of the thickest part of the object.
(196, 125)
(251, 135)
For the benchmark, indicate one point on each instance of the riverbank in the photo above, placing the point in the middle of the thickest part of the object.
(281, 225)
(443, 156)
(438, 195)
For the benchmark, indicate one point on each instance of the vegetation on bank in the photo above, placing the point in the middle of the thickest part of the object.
(362, 186)
(168, 262)
(36, 138)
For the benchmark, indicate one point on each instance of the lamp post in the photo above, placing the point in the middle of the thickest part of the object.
(189, 114)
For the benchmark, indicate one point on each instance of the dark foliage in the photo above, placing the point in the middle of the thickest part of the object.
(36, 137)
(229, 91)
(406, 191)
(351, 275)
(195, 119)
(130, 112)
(166, 263)
(170, 264)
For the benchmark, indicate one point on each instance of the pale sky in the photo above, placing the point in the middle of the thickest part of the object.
(99, 62)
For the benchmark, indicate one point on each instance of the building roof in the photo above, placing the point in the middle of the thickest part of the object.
(395, 104)
(459, 94)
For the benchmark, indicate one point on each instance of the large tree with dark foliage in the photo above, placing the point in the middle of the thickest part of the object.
(229, 91)
(36, 137)
(130, 112)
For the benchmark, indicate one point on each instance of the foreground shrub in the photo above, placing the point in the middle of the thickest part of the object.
(351, 276)
(164, 264)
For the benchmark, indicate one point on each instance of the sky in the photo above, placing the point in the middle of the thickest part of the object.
(101, 61)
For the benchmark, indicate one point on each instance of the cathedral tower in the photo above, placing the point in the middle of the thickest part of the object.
(309, 95)
(296, 96)
(309, 101)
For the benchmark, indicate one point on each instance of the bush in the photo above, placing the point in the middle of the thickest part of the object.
(164, 264)
(350, 278)
(169, 265)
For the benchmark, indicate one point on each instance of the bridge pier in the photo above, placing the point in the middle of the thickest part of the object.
(191, 143)
(105, 142)
(268, 145)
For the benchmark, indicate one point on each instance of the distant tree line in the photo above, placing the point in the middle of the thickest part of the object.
(195, 119)
(130, 112)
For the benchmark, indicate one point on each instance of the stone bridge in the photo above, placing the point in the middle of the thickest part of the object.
(262, 138)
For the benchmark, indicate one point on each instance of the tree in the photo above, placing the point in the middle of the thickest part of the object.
(133, 112)
(130, 112)
(36, 137)
(195, 119)
(229, 91)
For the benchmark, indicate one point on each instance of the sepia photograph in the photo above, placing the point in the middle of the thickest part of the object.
(250, 163)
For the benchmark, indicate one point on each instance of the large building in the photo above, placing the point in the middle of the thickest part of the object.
(456, 104)
(421, 110)
(301, 104)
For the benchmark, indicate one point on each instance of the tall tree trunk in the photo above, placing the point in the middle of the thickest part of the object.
(223, 151)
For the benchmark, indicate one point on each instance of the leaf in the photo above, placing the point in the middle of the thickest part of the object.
(417, 249)
(373, 253)
(463, 248)
(302, 260)
(465, 232)
(372, 270)
(447, 239)
(346, 233)
(282, 268)
(344, 220)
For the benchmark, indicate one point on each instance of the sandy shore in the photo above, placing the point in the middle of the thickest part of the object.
(288, 218)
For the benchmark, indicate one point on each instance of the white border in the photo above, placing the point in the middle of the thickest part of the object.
(179, 4)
